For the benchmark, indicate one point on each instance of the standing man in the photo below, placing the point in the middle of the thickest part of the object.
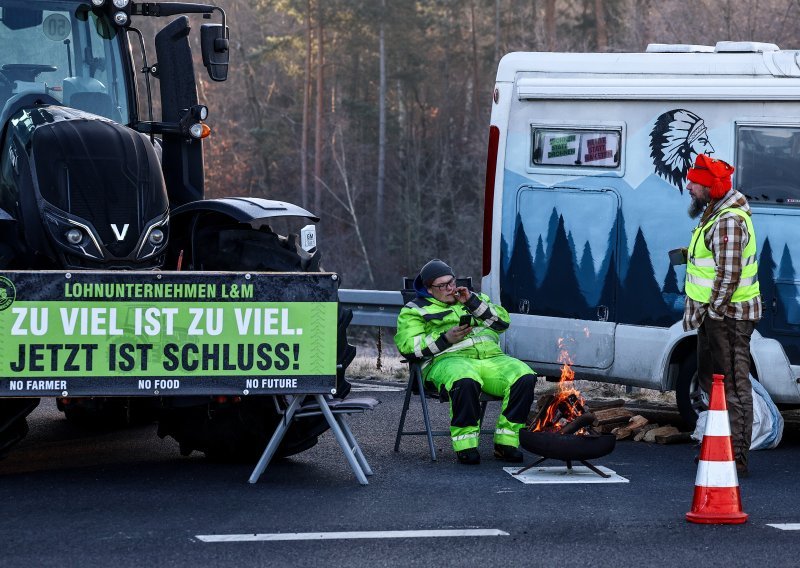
(455, 334)
(723, 299)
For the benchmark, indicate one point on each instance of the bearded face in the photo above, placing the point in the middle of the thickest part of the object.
(701, 197)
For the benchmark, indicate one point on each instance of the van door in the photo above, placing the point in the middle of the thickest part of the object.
(559, 265)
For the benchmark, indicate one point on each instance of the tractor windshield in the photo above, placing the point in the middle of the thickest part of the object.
(65, 50)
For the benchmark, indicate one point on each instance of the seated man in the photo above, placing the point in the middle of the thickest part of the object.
(461, 359)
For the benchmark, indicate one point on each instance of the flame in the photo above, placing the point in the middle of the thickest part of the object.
(567, 403)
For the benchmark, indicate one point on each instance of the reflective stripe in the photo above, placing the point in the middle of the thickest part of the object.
(704, 262)
(430, 343)
(717, 423)
(466, 436)
(716, 474)
(504, 432)
(418, 346)
(748, 281)
(419, 309)
(704, 282)
(468, 342)
(481, 309)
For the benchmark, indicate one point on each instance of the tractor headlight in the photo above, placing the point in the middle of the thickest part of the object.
(120, 18)
(196, 130)
(156, 237)
(74, 236)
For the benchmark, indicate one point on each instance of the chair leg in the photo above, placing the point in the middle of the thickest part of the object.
(406, 402)
(425, 416)
(354, 444)
(340, 437)
(275, 441)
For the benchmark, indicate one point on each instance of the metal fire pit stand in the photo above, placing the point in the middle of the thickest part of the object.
(569, 467)
(568, 446)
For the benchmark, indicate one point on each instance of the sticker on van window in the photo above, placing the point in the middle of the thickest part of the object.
(576, 148)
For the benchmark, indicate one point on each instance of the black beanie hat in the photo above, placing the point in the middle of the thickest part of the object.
(433, 270)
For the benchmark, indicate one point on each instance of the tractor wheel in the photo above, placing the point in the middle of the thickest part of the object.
(237, 429)
(13, 421)
(108, 413)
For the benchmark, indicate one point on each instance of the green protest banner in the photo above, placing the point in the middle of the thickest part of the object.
(137, 333)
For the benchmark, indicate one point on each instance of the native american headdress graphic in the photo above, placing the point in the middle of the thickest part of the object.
(677, 137)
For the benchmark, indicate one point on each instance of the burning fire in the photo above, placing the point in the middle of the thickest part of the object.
(567, 404)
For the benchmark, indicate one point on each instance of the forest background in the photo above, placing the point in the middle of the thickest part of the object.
(374, 114)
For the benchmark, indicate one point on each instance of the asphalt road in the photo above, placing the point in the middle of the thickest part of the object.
(76, 498)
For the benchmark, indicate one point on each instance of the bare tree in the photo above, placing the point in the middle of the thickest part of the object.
(379, 214)
(319, 131)
(306, 111)
(348, 200)
(602, 29)
(550, 24)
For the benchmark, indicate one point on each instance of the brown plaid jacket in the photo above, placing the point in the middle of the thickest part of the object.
(726, 240)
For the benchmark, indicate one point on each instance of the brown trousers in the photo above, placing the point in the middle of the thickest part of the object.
(723, 347)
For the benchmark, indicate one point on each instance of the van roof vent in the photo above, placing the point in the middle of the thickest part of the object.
(744, 47)
(678, 48)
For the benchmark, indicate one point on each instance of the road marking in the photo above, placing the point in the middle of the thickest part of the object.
(786, 526)
(349, 535)
(367, 387)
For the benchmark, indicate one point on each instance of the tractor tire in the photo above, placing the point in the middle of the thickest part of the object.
(108, 413)
(13, 421)
(237, 429)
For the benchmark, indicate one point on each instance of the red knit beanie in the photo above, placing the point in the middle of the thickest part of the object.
(712, 173)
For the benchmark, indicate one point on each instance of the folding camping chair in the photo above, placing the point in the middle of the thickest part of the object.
(416, 385)
(334, 411)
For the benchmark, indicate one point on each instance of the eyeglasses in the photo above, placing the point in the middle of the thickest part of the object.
(449, 284)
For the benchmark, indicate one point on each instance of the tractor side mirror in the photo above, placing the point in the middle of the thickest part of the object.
(214, 45)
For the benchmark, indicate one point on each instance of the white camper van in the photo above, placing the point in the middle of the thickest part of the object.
(585, 196)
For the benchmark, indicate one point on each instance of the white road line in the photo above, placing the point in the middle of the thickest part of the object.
(348, 535)
(365, 387)
(785, 526)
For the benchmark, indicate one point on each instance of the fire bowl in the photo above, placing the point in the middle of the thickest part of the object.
(567, 447)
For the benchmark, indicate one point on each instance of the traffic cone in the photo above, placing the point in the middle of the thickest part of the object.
(716, 488)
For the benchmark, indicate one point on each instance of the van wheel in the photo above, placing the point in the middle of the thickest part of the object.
(688, 393)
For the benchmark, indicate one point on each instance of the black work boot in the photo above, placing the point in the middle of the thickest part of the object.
(741, 468)
(508, 454)
(469, 456)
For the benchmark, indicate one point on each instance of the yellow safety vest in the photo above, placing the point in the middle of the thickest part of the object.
(701, 268)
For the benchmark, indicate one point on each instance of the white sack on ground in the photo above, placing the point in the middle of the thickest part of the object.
(767, 421)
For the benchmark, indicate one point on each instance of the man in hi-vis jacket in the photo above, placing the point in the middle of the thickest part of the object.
(454, 333)
(723, 300)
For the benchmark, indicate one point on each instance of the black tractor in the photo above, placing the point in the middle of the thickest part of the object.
(86, 183)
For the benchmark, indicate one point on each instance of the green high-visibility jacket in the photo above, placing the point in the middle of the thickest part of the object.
(423, 322)
(701, 270)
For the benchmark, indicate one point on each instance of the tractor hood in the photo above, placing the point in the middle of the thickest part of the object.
(94, 175)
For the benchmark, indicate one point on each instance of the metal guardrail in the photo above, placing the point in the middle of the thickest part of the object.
(372, 307)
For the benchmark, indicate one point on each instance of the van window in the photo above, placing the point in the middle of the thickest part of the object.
(767, 164)
(581, 148)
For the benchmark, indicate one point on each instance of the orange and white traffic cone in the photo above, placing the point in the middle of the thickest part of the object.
(716, 488)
